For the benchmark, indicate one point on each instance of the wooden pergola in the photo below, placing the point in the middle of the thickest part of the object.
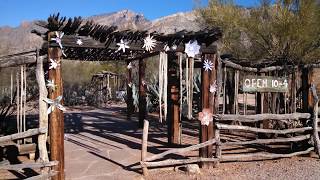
(100, 43)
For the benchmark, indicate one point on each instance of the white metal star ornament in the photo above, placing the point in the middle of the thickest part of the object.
(123, 45)
(207, 65)
(129, 65)
(174, 47)
(166, 48)
(53, 64)
(149, 43)
(54, 104)
(58, 38)
(205, 117)
(79, 42)
(213, 87)
(50, 84)
(192, 49)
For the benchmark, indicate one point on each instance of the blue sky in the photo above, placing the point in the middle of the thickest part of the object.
(13, 12)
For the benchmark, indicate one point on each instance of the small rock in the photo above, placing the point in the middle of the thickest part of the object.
(193, 169)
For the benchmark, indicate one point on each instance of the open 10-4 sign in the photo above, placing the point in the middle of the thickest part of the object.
(265, 84)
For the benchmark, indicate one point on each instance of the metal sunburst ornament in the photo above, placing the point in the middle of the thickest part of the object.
(149, 43)
(50, 84)
(213, 87)
(192, 49)
(207, 65)
(55, 103)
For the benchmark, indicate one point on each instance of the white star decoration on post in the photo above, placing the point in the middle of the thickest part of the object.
(207, 65)
(166, 48)
(192, 49)
(213, 87)
(53, 64)
(129, 65)
(149, 43)
(79, 42)
(123, 45)
(58, 39)
(54, 104)
(205, 117)
(51, 85)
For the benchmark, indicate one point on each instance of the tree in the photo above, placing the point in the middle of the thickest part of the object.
(288, 30)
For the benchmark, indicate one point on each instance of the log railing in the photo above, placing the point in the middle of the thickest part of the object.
(304, 133)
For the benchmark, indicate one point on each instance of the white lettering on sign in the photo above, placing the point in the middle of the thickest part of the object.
(265, 84)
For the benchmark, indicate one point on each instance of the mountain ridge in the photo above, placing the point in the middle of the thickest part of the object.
(16, 39)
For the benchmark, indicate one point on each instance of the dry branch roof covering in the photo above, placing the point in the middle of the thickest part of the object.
(100, 41)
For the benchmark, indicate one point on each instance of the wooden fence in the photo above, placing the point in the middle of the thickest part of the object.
(222, 123)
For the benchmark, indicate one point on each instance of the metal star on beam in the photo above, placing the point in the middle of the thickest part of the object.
(50, 84)
(192, 49)
(207, 65)
(123, 45)
(149, 43)
(79, 42)
(213, 87)
(54, 104)
(53, 64)
(58, 39)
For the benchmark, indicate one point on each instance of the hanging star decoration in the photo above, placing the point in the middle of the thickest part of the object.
(174, 47)
(205, 117)
(54, 104)
(123, 45)
(213, 87)
(166, 48)
(149, 43)
(129, 66)
(50, 84)
(58, 39)
(79, 42)
(53, 64)
(207, 65)
(192, 49)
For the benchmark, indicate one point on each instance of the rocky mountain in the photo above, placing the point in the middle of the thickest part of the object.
(20, 38)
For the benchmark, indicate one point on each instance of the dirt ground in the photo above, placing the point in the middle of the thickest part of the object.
(103, 144)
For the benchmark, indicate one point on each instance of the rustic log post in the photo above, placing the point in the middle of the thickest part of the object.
(173, 117)
(142, 93)
(144, 148)
(293, 92)
(129, 100)
(305, 89)
(208, 101)
(315, 119)
(56, 117)
(43, 116)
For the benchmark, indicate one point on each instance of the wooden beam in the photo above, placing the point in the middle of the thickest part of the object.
(56, 117)
(181, 150)
(88, 42)
(43, 116)
(315, 119)
(28, 133)
(144, 148)
(18, 167)
(15, 61)
(142, 93)
(172, 162)
(268, 141)
(259, 130)
(261, 117)
(173, 116)
(129, 100)
(257, 156)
